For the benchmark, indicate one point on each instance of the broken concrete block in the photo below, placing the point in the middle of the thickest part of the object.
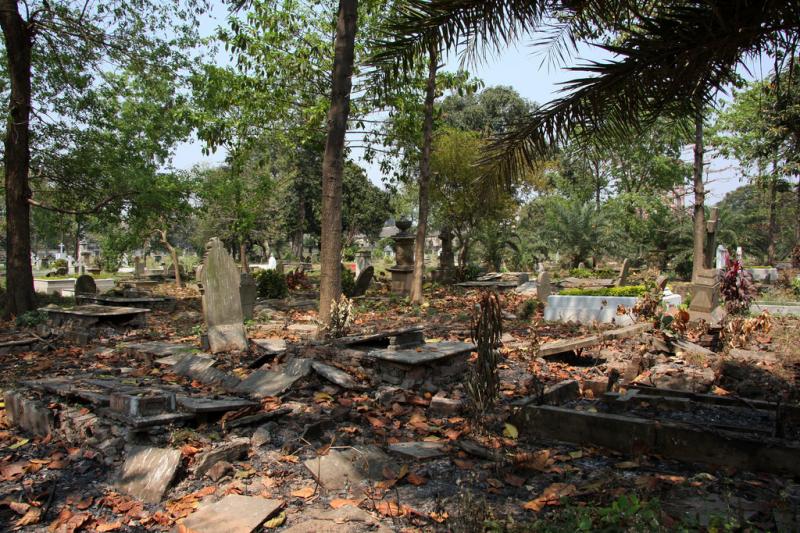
(229, 451)
(148, 471)
(232, 514)
(29, 414)
(219, 470)
(349, 468)
(334, 375)
(418, 450)
(145, 403)
(263, 383)
(443, 406)
(262, 436)
(562, 392)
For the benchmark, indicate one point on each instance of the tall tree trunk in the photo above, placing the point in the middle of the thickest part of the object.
(699, 198)
(797, 216)
(330, 282)
(773, 200)
(297, 235)
(243, 256)
(173, 253)
(417, 296)
(18, 36)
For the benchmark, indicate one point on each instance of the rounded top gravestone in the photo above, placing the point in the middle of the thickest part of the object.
(85, 285)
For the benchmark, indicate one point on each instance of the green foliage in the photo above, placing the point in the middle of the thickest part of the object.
(348, 281)
(577, 229)
(59, 263)
(271, 284)
(527, 308)
(630, 290)
(796, 286)
(31, 319)
(626, 513)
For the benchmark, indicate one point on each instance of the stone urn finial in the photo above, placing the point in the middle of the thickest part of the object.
(403, 224)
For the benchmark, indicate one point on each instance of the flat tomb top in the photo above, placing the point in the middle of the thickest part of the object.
(427, 353)
(95, 310)
(125, 299)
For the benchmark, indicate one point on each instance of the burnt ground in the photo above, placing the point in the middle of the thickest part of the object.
(506, 482)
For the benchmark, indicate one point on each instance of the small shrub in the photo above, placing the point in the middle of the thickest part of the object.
(31, 319)
(796, 257)
(59, 263)
(483, 383)
(629, 290)
(469, 272)
(271, 284)
(297, 280)
(796, 286)
(527, 308)
(736, 287)
(341, 318)
(348, 281)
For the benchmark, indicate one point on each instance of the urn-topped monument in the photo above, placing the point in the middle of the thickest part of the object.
(403, 271)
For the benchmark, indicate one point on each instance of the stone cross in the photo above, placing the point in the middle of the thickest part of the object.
(222, 303)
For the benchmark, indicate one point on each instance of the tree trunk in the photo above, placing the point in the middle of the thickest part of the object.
(330, 282)
(773, 200)
(243, 256)
(297, 235)
(18, 38)
(797, 216)
(699, 198)
(174, 255)
(417, 296)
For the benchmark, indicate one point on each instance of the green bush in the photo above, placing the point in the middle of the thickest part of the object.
(796, 286)
(589, 273)
(630, 290)
(59, 263)
(527, 308)
(271, 284)
(30, 319)
(348, 281)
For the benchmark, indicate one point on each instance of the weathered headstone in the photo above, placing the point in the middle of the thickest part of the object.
(85, 285)
(147, 472)
(222, 304)
(721, 257)
(363, 281)
(543, 288)
(623, 273)
(705, 279)
(581, 266)
(138, 267)
(363, 260)
(247, 292)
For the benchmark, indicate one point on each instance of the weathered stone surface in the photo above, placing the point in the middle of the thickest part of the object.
(247, 293)
(167, 353)
(192, 365)
(232, 514)
(669, 376)
(211, 405)
(589, 309)
(85, 285)
(270, 345)
(543, 287)
(441, 405)
(89, 315)
(304, 331)
(143, 403)
(219, 470)
(418, 450)
(363, 280)
(752, 356)
(561, 392)
(29, 414)
(623, 273)
(428, 353)
(568, 345)
(351, 467)
(147, 472)
(228, 451)
(334, 375)
(262, 435)
(263, 383)
(222, 305)
(346, 519)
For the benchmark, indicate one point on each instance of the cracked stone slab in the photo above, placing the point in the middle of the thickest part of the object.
(192, 364)
(228, 451)
(147, 472)
(167, 351)
(335, 375)
(429, 353)
(345, 519)
(231, 514)
(349, 468)
(213, 405)
(418, 450)
(263, 383)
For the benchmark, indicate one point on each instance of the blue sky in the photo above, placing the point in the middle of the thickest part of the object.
(521, 67)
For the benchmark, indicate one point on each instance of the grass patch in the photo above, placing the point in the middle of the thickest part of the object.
(629, 290)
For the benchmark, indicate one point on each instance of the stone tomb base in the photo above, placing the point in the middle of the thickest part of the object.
(434, 362)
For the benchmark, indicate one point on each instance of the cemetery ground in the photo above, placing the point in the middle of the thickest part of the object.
(331, 437)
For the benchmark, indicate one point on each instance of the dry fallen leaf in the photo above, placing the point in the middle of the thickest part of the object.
(103, 527)
(550, 496)
(342, 502)
(305, 492)
(32, 516)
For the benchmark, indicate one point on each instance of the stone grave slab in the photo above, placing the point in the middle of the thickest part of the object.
(142, 302)
(212, 405)
(143, 403)
(30, 415)
(334, 375)
(231, 514)
(90, 315)
(418, 450)
(227, 451)
(147, 472)
(363, 280)
(222, 304)
(270, 345)
(193, 364)
(262, 383)
(345, 519)
(434, 361)
(141, 422)
(168, 353)
(349, 468)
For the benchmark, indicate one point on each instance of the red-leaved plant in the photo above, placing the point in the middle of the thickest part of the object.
(736, 287)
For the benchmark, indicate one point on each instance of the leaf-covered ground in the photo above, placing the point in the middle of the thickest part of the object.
(506, 482)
